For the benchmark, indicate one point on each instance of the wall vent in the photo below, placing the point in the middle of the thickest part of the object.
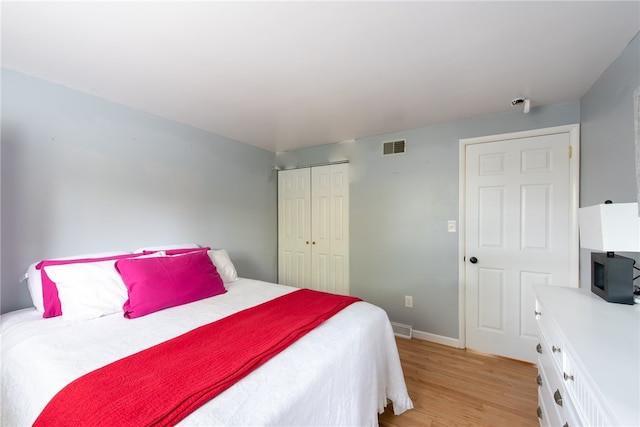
(394, 147)
(403, 331)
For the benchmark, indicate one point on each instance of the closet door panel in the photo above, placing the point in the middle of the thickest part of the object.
(330, 228)
(294, 228)
(313, 228)
(320, 226)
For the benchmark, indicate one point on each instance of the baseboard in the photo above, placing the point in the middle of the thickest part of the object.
(438, 339)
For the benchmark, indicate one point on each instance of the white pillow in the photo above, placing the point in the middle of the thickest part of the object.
(34, 276)
(34, 283)
(225, 267)
(90, 290)
(165, 247)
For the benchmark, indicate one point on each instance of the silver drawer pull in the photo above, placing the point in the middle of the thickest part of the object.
(537, 313)
(539, 412)
(539, 380)
(555, 349)
(539, 348)
(567, 377)
(557, 397)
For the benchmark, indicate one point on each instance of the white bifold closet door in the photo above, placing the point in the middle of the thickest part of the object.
(313, 228)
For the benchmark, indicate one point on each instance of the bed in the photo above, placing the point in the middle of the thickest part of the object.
(343, 372)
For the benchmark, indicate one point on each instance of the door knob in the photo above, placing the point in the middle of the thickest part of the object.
(473, 260)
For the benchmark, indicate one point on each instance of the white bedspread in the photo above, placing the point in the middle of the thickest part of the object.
(341, 373)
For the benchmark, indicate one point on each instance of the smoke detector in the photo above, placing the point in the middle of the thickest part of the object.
(525, 101)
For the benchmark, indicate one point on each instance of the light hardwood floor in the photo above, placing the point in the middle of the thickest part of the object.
(454, 387)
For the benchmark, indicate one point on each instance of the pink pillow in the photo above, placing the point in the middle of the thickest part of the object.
(176, 251)
(163, 282)
(51, 301)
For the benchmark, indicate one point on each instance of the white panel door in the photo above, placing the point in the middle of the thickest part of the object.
(294, 228)
(518, 210)
(313, 228)
(330, 228)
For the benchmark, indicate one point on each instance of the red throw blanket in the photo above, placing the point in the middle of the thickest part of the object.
(165, 383)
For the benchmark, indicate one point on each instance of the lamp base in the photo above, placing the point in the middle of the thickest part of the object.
(612, 277)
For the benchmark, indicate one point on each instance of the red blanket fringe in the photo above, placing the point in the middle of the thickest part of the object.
(163, 384)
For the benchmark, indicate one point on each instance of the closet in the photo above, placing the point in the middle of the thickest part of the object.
(313, 228)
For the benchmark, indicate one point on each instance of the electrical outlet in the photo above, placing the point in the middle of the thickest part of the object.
(451, 226)
(408, 301)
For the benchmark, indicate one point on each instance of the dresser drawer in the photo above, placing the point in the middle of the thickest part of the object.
(548, 364)
(543, 413)
(553, 394)
(546, 327)
(556, 402)
(583, 395)
(548, 414)
(569, 414)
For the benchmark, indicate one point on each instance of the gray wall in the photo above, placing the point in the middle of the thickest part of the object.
(400, 204)
(607, 139)
(399, 207)
(82, 175)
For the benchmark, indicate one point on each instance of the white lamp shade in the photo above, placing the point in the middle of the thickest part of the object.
(611, 227)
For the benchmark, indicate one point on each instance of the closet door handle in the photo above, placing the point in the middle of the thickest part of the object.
(539, 348)
(567, 377)
(307, 242)
(539, 380)
(539, 412)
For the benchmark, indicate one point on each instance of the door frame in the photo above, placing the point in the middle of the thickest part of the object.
(574, 189)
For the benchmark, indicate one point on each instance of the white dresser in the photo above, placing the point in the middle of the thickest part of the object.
(588, 359)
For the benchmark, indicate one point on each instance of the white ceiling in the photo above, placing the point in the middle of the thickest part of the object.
(284, 75)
